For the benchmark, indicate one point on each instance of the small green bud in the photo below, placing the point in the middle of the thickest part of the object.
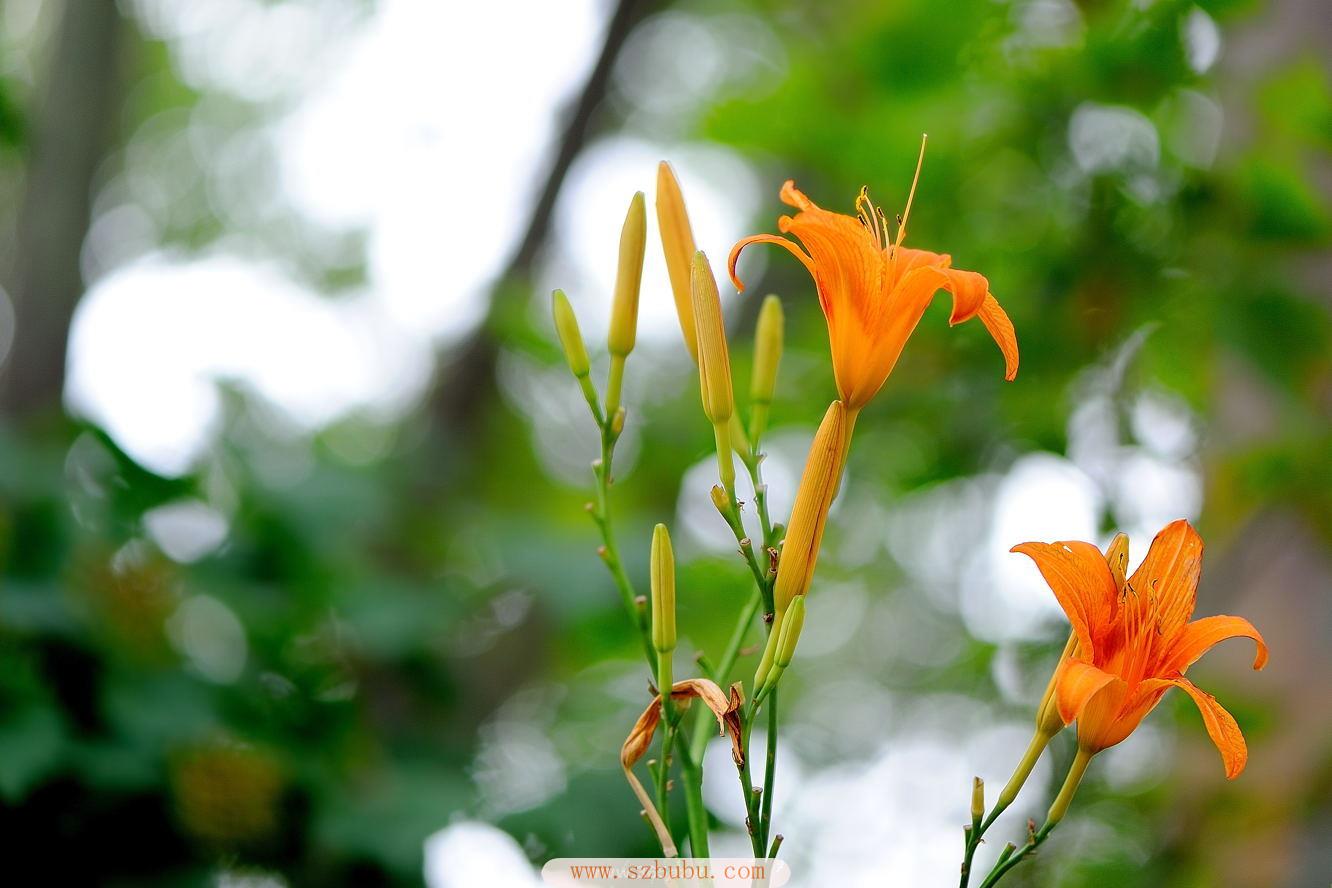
(767, 351)
(663, 590)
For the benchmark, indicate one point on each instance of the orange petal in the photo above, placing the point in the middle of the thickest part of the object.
(794, 197)
(969, 290)
(765, 239)
(1001, 328)
(1197, 638)
(1221, 727)
(1168, 576)
(1077, 683)
(1080, 579)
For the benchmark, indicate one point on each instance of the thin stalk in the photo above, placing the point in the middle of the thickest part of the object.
(752, 825)
(663, 775)
(610, 552)
(1057, 811)
(770, 769)
(1039, 741)
(693, 793)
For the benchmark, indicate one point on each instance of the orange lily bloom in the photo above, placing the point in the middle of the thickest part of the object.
(873, 291)
(1134, 645)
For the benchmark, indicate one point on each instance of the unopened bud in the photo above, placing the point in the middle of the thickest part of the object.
(714, 363)
(677, 242)
(977, 800)
(628, 278)
(663, 590)
(721, 500)
(571, 340)
(767, 351)
(617, 421)
(818, 485)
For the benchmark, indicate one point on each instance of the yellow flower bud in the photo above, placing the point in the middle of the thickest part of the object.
(977, 800)
(571, 340)
(720, 499)
(624, 308)
(677, 242)
(714, 362)
(663, 590)
(818, 485)
(767, 351)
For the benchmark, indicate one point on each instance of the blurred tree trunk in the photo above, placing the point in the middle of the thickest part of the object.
(71, 131)
(466, 380)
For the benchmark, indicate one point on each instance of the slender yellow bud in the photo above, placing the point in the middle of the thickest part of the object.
(818, 484)
(663, 590)
(624, 308)
(767, 351)
(566, 325)
(977, 800)
(617, 421)
(677, 242)
(721, 500)
(714, 362)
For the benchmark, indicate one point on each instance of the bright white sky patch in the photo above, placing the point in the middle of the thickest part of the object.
(421, 131)
(148, 342)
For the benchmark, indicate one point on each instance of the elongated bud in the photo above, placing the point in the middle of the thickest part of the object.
(677, 242)
(628, 278)
(714, 362)
(617, 421)
(767, 351)
(977, 800)
(663, 590)
(1116, 556)
(790, 634)
(818, 484)
(566, 325)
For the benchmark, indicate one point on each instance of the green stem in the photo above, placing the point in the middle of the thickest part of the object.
(1039, 741)
(1057, 811)
(752, 825)
(663, 773)
(770, 768)
(610, 552)
(693, 793)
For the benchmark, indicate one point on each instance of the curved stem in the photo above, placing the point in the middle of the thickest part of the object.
(1057, 811)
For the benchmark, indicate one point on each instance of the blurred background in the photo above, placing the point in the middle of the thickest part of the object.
(297, 583)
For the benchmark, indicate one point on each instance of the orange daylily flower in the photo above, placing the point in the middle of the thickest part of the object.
(1134, 645)
(873, 291)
